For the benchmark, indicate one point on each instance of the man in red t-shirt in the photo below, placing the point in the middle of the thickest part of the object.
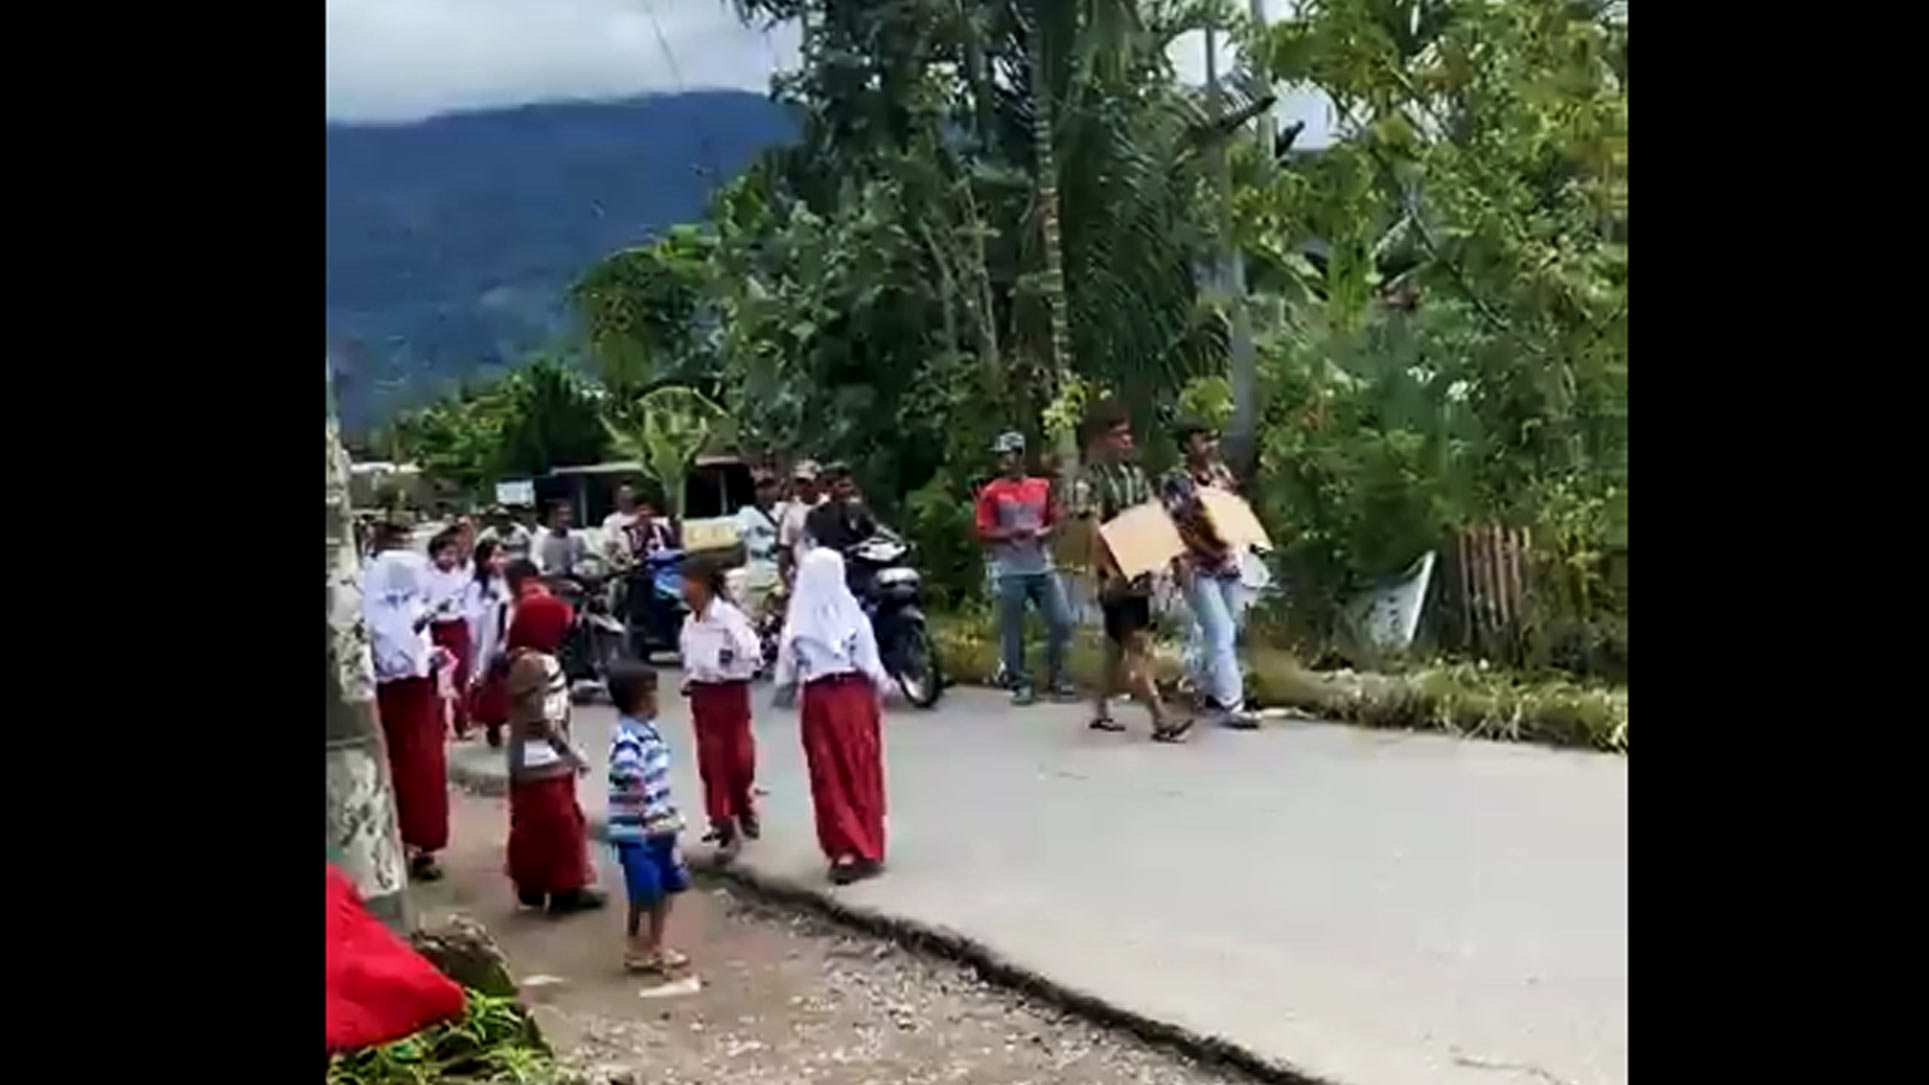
(1016, 516)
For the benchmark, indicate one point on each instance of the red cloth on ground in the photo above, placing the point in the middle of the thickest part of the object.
(379, 988)
(455, 637)
(844, 750)
(418, 759)
(726, 751)
(548, 838)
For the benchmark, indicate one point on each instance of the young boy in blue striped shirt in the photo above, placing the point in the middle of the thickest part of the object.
(643, 821)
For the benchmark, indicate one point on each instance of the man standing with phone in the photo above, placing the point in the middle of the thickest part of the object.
(1016, 517)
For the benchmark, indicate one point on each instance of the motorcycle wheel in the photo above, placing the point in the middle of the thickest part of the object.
(919, 674)
(606, 650)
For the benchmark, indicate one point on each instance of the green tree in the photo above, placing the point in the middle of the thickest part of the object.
(665, 430)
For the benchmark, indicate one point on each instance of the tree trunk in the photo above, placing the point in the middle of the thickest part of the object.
(1229, 281)
(362, 837)
(1058, 360)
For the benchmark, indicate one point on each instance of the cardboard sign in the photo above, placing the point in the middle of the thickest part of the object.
(1142, 539)
(1233, 520)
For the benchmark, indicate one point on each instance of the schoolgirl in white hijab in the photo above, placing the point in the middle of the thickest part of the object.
(396, 608)
(828, 648)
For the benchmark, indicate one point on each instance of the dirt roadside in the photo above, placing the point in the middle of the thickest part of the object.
(784, 998)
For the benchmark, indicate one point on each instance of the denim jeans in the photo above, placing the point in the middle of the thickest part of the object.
(1217, 604)
(1015, 590)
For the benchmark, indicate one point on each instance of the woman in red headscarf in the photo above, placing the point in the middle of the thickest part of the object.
(548, 838)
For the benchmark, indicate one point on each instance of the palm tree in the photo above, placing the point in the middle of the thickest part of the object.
(362, 836)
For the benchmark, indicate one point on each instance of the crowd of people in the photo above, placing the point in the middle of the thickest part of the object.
(467, 638)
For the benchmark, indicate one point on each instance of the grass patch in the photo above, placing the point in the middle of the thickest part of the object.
(1458, 699)
(492, 1043)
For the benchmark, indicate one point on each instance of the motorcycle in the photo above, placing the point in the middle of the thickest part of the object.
(653, 602)
(888, 589)
(770, 627)
(595, 639)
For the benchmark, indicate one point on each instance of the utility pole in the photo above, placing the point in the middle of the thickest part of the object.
(1230, 278)
(363, 840)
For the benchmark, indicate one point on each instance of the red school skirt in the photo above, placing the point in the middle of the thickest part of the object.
(548, 838)
(455, 637)
(418, 759)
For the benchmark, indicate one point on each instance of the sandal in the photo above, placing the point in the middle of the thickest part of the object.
(1172, 732)
(1105, 723)
(661, 964)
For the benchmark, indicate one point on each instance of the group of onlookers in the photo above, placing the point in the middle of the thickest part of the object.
(468, 636)
(1018, 517)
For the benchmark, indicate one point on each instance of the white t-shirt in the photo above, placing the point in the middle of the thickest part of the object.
(759, 532)
(790, 528)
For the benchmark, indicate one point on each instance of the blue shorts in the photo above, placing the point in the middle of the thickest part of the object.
(652, 869)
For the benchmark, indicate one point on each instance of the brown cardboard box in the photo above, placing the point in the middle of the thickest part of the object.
(1142, 539)
(1233, 520)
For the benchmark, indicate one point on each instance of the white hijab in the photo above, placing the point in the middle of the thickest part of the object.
(826, 617)
(393, 598)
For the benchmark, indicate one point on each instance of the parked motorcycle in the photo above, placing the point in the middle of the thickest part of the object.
(888, 589)
(653, 602)
(595, 639)
(770, 627)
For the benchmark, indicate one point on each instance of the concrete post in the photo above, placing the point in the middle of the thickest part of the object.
(362, 837)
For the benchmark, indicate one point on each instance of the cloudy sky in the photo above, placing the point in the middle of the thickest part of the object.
(397, 60)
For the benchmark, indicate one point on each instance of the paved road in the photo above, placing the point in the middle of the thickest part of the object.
(1371, 908)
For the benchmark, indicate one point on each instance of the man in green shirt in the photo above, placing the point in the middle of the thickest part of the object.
(1110, 484)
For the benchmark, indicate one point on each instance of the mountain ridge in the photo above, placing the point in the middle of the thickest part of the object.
(452, 240)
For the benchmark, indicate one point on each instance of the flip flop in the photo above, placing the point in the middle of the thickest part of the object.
(1172, 732)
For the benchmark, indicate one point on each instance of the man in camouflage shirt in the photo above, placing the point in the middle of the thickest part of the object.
(1110, 484)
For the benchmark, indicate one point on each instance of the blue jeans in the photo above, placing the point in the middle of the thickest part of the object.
(1015, 590)
(1217, 603)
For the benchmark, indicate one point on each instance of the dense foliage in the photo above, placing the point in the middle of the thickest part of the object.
(996, 210)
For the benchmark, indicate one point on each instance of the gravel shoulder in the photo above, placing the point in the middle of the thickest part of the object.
(784, 997)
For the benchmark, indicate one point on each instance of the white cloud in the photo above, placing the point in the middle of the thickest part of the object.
(391, 60)
(394, 60)
(1188, 56)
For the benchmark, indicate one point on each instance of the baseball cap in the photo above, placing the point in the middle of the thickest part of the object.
(805, 469)
(1009, 441)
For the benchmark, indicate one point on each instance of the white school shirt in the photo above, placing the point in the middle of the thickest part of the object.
(810, 659)
(392, 600)
(488, 616)
(448, 593)
(705, 641)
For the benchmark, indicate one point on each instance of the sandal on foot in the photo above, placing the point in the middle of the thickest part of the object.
(643, 965)
(1105, 723)
(1171, 732)
(423, 868)
(581, 900)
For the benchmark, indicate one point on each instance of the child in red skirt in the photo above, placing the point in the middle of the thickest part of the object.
(720, 652)
(828, 648)
(548, 838)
